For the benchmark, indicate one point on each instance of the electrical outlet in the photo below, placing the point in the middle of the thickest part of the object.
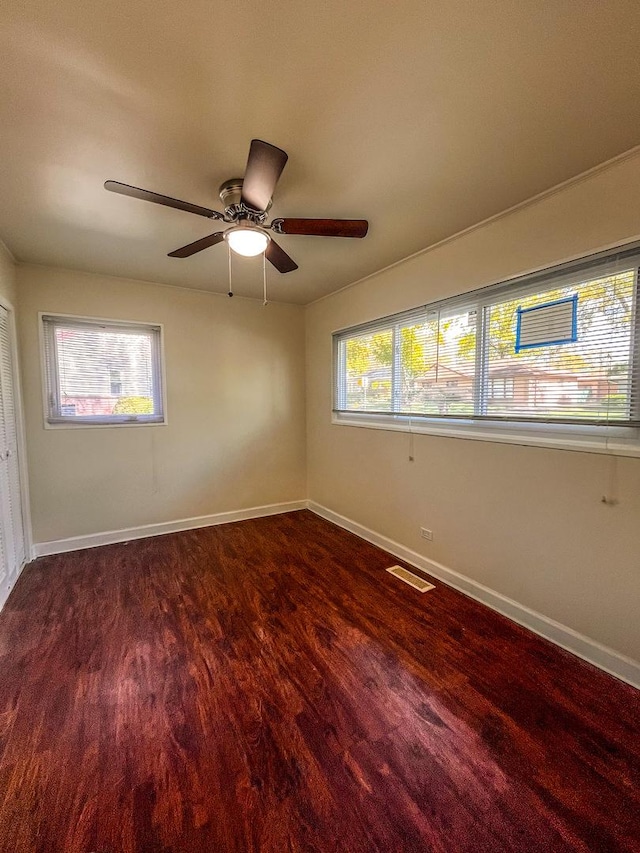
(426, 533)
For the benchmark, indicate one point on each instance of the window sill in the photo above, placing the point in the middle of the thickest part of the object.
(613, 441)
(88, 424)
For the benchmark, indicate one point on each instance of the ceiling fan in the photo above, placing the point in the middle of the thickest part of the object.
(246, 204)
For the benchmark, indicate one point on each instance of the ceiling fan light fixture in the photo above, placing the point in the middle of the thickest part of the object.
(247, 240)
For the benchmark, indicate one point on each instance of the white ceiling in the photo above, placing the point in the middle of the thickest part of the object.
(424, 116)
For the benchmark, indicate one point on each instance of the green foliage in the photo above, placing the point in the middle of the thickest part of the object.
(600, 297)
(412, 347)
(361, 351)
(133, 406)
(615, 400)
(377, 350)
(571, 362)
(467, 345)
(502, 328)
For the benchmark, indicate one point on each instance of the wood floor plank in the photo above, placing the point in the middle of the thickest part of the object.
(267, 686)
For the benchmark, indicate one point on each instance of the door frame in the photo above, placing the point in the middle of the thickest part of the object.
(21, 438)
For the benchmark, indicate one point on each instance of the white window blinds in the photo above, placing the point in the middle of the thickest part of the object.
(102, 372)
(559, 347)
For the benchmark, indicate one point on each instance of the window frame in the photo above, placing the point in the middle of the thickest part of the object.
(53, 421)
(614, 438)
(505, 383)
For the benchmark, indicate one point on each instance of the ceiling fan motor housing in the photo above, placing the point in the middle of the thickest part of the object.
(231, 196)
(230, 192)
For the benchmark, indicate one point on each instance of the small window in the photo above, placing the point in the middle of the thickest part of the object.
(102, 372)
(115, 382)
(501, 389)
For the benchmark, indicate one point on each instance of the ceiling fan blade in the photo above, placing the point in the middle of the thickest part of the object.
(198, 246)
(264, 167)
(322, 227)
(277, 256)
(147, 195)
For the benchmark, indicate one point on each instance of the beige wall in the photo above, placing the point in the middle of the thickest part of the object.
(525, 521)
(235, 402)
(7, 275)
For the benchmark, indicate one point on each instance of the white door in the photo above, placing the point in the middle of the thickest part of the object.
(12, 548)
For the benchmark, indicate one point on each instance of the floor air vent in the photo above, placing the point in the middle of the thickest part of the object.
(413, 580)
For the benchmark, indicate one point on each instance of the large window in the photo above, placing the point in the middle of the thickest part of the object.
(558, 347)
(102, 372)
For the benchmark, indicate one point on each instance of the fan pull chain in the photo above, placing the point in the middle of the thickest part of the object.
(264, 277)
(230, 286)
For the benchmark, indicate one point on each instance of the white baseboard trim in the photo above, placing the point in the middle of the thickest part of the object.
(619, 665)
(110, 537)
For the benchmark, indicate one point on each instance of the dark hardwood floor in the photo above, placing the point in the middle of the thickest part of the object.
(267, 686)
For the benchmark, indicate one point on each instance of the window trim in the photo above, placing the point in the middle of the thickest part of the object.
(99, 422)
(611, 438)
